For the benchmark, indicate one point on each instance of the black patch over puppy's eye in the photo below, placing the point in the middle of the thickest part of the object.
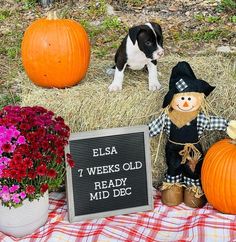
(148, 43)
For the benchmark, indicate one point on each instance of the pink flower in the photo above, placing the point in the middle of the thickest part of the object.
(13, 147)
(2, 166)
(5, 189)
(16, 132)
(22, 195)
(15, 198)
(4, 160)
(6, 196)
(14, 188)
(21, 140)
(4, 193)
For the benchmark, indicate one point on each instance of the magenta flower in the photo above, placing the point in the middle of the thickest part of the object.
(16, 132)
(14, 188)
(22, 195)
(15, 198)
(13, 147)
(5, 196)
(21, 140)
(9, 137)
(4, 160)
(5, 189)
(1, 169)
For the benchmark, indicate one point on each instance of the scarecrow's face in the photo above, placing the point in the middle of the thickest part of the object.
(187, 102)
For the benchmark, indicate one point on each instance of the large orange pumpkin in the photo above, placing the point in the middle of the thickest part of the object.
(55, 52)
(219, 176)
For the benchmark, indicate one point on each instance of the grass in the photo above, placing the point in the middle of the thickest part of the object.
(10, 44)
(111, 23)
(4, 14)
(9, 99)
(113, 29)
(207, 19)
(96, 8)
(207, 35)
(135, 3)
(233, 19)
(203, 35)
(28, 4)
(13, 52)
(227, 5)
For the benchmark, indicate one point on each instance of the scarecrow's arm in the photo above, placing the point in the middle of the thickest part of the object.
(210, 123)
(216, 123)
(157, 125)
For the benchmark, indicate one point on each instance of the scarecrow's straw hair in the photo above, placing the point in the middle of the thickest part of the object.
(89, 105)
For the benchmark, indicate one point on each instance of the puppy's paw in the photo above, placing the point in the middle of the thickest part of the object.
(154, 86)
(115, 87)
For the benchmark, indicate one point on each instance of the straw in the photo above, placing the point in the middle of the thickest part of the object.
(89, 106)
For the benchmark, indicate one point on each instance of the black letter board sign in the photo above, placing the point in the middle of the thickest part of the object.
(112, 173)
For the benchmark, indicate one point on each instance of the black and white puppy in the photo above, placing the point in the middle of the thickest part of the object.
(142, 46)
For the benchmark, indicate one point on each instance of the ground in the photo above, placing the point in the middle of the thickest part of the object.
(197, 27)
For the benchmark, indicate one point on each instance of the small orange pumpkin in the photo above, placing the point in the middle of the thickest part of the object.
(55, 52)
(219, 176)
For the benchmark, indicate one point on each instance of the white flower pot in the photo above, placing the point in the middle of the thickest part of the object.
(24, 220)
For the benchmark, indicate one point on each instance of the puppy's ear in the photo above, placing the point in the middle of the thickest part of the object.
(157, 28)
(158, 31)
(133, 33)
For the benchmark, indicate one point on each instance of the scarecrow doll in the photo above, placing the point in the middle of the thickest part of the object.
(184, 123)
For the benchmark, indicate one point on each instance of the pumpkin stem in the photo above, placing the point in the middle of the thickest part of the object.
(52, 15)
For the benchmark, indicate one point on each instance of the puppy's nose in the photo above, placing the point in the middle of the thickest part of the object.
(160, 52)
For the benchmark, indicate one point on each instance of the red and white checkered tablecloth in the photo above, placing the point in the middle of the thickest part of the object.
(164, 223)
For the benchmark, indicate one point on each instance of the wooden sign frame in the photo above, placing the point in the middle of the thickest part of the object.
(71, 182)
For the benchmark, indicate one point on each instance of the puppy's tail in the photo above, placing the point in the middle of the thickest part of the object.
(111, 71)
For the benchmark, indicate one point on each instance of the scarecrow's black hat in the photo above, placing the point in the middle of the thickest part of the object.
(182, 80)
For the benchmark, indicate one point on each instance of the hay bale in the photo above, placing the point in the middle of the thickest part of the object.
(89, 105)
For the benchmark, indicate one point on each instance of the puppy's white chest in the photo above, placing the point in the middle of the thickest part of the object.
(136, 59)
(137, 62)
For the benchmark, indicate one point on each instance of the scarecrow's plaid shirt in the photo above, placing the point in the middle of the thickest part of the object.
(204, 122)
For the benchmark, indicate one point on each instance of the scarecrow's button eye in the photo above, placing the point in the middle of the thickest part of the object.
(182, 98)
(189, 98)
